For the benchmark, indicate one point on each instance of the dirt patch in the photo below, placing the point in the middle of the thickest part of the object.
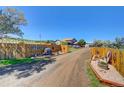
(69, 70)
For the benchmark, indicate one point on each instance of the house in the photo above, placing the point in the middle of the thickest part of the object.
(70, 41)
(58, 42)
(89, 45)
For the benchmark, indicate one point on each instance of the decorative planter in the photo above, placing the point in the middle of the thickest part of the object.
(103, 65)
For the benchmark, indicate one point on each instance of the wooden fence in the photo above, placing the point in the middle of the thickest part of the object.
(117, 57)
(20, 50)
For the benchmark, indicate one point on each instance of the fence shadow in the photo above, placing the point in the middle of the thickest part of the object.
(26, 69)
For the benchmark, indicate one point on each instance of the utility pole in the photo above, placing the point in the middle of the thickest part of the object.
(40, 36)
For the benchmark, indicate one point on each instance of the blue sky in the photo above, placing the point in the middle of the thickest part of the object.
(89, 23)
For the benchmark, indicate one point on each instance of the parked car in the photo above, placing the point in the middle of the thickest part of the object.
(76, 46)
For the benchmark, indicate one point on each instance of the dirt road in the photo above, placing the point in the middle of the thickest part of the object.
(68, 70)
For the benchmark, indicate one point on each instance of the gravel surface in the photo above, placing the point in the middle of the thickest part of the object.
(67, 70)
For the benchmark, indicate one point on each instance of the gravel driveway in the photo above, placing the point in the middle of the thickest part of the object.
(68, 70)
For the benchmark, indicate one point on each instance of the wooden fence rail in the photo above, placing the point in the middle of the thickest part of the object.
(20, 50)
(117, 57)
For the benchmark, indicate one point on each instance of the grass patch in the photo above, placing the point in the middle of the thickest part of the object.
(20, 61)
(93, 79)
(103, 63)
